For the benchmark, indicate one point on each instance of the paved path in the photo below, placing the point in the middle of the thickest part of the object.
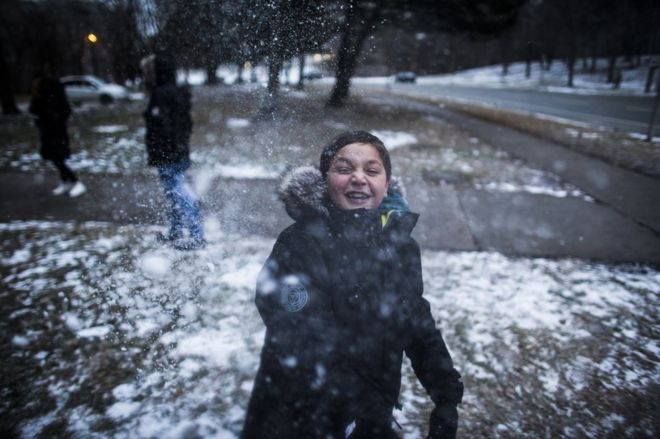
(634, 195)
(514, 224)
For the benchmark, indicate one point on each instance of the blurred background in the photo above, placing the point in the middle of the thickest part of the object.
(107, 38)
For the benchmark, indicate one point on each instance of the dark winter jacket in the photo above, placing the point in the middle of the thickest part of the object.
(168, 118)
(341, 297)
(51, 107)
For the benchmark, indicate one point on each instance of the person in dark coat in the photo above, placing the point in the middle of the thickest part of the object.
(169, 126)
(51, 109)
(341, 298)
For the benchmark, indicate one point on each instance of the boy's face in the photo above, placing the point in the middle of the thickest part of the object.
(357, 177)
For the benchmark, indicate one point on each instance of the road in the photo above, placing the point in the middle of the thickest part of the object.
(621, 113)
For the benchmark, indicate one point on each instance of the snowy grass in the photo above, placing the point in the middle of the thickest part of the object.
(107, 334)
(229, 141)
(553, 79)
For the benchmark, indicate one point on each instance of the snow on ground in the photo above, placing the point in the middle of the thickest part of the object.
(107, 334)
(394, 139)
(551, 80)
(554, 79)
(226, 143)
(110, 129)
(236, 122)
(205, 176)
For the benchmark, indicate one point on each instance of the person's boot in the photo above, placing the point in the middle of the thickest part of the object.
(77, 189)
(62, 188)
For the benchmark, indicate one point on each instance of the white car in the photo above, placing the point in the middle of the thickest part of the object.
(91, 88)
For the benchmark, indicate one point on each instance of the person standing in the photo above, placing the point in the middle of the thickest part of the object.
(51, 107)
(169, 125)
(341, 296)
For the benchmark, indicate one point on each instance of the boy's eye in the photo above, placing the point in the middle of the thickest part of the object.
(373, 172)
(343, 170)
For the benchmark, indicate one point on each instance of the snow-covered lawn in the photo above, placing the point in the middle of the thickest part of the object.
(107, 334)
(554, 79)
(228, 142)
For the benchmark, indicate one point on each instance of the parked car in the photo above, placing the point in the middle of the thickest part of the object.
(405, 77)
(91, 88)
(312, 75)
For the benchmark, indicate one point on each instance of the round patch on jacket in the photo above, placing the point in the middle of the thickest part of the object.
(294, 297)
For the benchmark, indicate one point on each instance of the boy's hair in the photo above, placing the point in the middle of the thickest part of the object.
(347, 138)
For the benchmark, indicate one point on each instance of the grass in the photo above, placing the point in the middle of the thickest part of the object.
(616, 148)
(228, 131)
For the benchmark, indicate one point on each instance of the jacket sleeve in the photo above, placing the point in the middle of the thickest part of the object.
(295, 309)
(182, 119)
(426, 348)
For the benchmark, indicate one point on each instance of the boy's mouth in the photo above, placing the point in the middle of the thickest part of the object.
(357, 195)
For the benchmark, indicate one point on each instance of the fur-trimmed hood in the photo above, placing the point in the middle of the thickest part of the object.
(303, 192)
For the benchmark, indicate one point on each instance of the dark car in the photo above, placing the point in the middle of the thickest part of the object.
(405, 77)
(312, 75)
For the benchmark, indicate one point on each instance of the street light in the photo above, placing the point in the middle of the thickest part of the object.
(92, 38)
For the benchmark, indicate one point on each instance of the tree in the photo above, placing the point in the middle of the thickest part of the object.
(126, 42)
(10, 19)
(286, 29)
(453, 16)
(360, 19)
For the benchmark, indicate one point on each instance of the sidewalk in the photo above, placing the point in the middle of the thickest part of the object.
(634, 195)
(453, 219)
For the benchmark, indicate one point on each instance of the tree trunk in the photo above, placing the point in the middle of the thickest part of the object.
(274, 67)
(570, 63)
(528, 60)
(269, 104)
(504, 53)
(239, 72)
(7, 98)
(287, 71)
(611, 66)
(344, 71)
(618, 76)
(357, 26)
(528, 68)
(301, 69)
(211, 68)
(549, 58)
(592, 65)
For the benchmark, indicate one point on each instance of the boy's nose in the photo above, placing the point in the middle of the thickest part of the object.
(358, 178)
